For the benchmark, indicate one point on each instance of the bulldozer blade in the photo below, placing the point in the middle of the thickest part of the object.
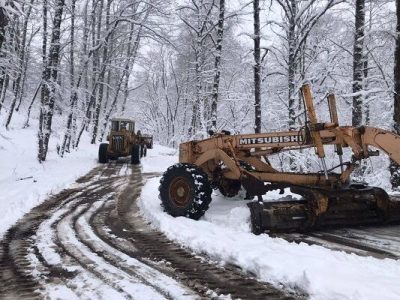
(320, 208)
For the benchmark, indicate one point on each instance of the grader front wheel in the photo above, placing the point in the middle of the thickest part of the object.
(185, 191)
(135, 154)
(103, 158)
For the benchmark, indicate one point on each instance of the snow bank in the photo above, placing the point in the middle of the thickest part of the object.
(158, 159)
(24, 183)
(224, 234)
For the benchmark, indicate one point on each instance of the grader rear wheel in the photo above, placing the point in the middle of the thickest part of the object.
(185, 191)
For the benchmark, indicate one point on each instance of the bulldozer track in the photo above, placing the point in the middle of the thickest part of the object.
(91, 242)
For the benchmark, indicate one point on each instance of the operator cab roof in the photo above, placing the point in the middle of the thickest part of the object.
(121, 120)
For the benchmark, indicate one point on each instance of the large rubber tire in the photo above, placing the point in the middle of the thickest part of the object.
(143, 150)
(103, 158)
(185, 191)
(135, 155)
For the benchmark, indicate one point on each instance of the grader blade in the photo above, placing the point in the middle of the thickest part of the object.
(321, 208)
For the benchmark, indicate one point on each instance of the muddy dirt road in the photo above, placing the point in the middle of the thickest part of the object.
(90, 242)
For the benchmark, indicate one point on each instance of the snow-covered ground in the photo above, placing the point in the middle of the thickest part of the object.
(224, 234)
(24, 183)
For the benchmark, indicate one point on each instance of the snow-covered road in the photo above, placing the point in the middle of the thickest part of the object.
(57, 253)
(91, 242)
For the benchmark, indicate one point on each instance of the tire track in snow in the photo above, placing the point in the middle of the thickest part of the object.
(73, 252)
(208, 279)
(161, 283)
(90, 242)
(57, 265)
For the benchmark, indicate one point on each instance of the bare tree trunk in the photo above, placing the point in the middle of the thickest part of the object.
(217, 65)
(358, 63)
(74, 98)
(85, 70)
(366, 103)
(196, 103)
(2, 79)
(366, 70)
(31, 105)
(292, 64)
(49, 83)
(22, 66)
(95, 62)
(4, 76)
(257, 67)
(101, 78)
(126, 83)
(3, 25)
(394, 168)
(4, 90)
(42, 95)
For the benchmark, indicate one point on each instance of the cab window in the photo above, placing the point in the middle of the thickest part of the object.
(123, 125)
(114, 126)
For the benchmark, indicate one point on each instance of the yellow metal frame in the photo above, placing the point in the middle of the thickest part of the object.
(255, 148)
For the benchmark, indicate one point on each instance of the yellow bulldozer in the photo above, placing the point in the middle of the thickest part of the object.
(328, 198)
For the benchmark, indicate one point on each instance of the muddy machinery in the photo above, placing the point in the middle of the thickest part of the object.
(328, 199)
(122, 141)
(148, 140)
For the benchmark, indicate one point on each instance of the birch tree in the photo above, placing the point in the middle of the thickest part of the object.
(49, 83)
(217, 64)
(358, 63)
(101, 78)
(73, 97)
(257, 67)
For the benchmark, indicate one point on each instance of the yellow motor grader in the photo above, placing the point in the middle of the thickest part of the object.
(328, 199)
(123, 141)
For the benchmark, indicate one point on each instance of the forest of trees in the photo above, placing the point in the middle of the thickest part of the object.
(181, 68)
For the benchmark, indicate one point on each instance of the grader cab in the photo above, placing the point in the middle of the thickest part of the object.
(122, 142)
(328, 197)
